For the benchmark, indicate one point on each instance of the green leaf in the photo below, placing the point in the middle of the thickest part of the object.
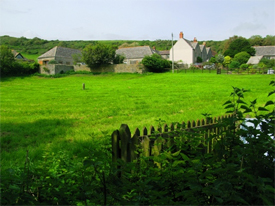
(176, 153)
(262, 109)
(269, 103)
(244, 107)
(254, 101)
(185, 157)
(229, 106)
(247, 111)
(177, 162)
(227, 102)
(270, 93)
(241, 101)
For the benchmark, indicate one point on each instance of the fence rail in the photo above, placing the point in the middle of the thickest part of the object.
(152, 141)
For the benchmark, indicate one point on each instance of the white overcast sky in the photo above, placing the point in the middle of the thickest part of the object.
(136, 19)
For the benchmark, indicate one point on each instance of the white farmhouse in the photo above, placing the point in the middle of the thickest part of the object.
(187, 52)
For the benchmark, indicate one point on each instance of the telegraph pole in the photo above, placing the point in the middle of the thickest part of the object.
(172, 55)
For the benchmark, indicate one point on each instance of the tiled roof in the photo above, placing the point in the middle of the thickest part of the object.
(254, 60)
(136, 52)
(265, 50)
(60, 52)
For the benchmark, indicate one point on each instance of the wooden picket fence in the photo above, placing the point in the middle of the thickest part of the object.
(151, 142)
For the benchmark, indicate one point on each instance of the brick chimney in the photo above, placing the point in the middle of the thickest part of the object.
(195, 39)
(154, 48)
(181, 35)
(204, 43)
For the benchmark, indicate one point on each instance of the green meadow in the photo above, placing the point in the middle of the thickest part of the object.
(41, 114)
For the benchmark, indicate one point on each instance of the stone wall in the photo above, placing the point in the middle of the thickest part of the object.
(52, 69)
(116, 68)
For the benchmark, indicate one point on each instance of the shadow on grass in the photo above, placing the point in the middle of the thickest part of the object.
(12, 78)
(44, 134)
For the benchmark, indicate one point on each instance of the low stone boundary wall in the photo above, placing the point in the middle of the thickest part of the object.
(52, 69)
(116, 68)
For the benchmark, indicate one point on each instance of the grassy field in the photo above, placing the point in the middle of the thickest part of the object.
(31, 56)
(54, 114)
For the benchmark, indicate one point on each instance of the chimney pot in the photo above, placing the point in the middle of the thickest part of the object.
(181, 35)
(195, 39)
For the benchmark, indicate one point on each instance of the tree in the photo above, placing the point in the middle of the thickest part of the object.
(219, 58)
(6, 60)
(234, 65)
(199, 60)
(242, 57)
(238, 45)
(256, 40)
(227, 61)
(119, 59)
(96, 55)
(155, 63)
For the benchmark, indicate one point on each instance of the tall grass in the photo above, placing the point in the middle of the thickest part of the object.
(52, 114)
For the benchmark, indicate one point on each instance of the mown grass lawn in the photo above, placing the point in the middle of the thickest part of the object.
(55, 114)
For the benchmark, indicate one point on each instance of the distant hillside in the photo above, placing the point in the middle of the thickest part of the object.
(36, 46)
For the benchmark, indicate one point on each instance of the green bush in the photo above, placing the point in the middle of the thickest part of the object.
(156, 63)
(244, 66)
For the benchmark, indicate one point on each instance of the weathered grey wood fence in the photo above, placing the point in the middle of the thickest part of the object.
(151, 142)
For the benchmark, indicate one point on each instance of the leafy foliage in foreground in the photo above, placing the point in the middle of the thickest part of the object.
(235, 173)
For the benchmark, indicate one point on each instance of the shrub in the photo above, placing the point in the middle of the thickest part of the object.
(156, 63)
(244, 66)
(234, 65)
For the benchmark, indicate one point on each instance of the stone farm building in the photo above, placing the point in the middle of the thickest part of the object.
(133, 55)
(187, 52)
(61, 55)
(262, 52)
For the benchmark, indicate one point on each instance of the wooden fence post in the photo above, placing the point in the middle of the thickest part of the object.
(125, 136)
(115, 146)
(134, 145)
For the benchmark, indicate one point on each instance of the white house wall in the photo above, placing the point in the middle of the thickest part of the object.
(182, 52)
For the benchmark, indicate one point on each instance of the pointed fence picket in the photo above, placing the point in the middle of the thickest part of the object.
(151, 142)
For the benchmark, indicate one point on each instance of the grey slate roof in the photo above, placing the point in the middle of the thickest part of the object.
(136, 52)
(60, 52)
(265, 50)
(193, 44)
(254, 60)
(201, 47)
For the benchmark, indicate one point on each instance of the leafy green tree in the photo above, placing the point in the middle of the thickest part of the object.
(227, 61)
(6, 60)
(244, 66)
(270, 63)
(96, 55)
(238, 45)
(256, 40)
(234, 64)
(213, 60)
(219, 58)
(155, 63)
(242, 57)
(199, 60)
(119, 59)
